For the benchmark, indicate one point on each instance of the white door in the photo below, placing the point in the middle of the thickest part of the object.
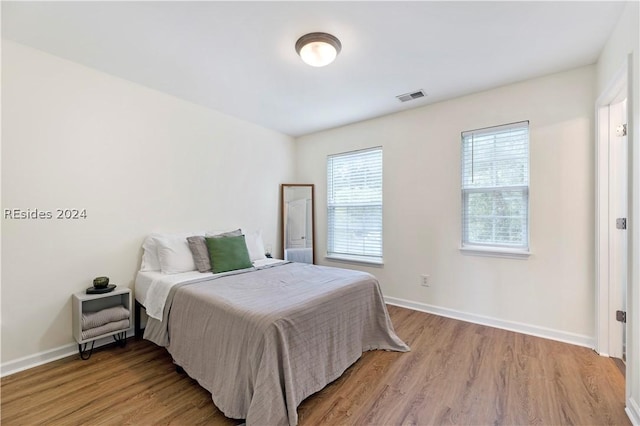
(618, 214)
(296, 223)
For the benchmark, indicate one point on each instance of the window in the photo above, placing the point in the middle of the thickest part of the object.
(354, 206)
(495, 188)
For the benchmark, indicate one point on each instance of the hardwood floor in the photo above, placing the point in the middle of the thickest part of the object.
(456, 373)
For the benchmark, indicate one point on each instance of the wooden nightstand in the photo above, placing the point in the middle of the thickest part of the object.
(83, 303)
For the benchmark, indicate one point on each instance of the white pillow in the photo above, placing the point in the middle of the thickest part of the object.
(174, 254)
(150, 260)
(255, 245)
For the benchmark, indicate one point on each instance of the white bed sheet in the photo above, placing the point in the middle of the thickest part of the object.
(152, 287)
(145, 279)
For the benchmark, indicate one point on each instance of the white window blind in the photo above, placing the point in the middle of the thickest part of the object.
(495, 187)
(354, 205)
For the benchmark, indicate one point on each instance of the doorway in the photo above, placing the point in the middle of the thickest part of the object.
(618, 214)
(612, 198)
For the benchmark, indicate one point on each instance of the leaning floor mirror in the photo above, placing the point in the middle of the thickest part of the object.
(298, 234)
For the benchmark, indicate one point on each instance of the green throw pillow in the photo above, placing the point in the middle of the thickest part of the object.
(228, 254)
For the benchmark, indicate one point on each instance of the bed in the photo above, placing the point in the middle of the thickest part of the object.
(264, 338)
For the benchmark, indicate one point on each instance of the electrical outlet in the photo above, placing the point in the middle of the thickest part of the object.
(424, 280)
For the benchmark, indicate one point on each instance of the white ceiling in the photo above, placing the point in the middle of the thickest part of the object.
(239, 57)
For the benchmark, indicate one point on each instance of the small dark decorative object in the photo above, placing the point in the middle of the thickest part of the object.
(101, 282)
(101, 285)
(95, 290)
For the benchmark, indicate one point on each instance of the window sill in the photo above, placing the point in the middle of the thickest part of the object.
(355, 259)
(495, 252)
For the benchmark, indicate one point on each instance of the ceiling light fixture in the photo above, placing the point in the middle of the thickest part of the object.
(318, 49)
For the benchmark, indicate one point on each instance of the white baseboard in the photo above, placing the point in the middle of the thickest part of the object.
(633, 411)
(24, 363)
(547, 333)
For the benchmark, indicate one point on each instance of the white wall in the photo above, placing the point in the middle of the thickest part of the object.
(552, 292)
(625, 40)
(138, 160)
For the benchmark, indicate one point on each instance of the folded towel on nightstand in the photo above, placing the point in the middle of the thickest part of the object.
(92, 320)
(105, 328)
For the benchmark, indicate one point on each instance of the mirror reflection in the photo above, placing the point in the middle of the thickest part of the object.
(297, 223)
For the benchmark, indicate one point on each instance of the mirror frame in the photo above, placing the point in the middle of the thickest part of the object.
(313, 217)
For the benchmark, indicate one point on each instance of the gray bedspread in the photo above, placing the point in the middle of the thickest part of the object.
(263, 341)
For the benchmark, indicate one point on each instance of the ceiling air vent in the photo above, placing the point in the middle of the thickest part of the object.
(411, 96)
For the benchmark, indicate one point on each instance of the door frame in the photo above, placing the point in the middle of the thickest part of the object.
(604, 316)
